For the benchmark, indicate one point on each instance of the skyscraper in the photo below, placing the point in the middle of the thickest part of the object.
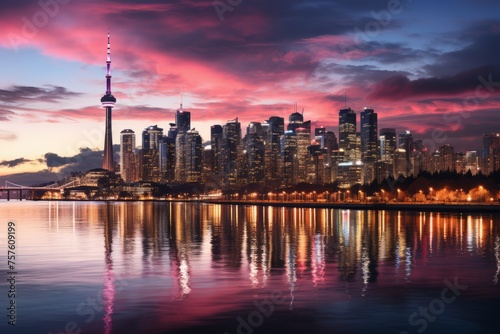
(347, 133)
(108, 102)
(446, 160)
(150, 153)
(387, 144)
(406, 142)
(369, 143)
(289, 157)
(490, 157)
(182, 120)
(369, 136)
(188, 166)
(303, 143)
(273, 128)
(471, 162)
(127, 156)
(295, 120)
(328, 142)
(254, 144)
(216, 143)
(231, 143)
(167, 158)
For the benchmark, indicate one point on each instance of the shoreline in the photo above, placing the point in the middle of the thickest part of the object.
(426, 207)
(461, 207)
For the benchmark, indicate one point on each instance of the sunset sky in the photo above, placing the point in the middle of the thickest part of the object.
(429, 67)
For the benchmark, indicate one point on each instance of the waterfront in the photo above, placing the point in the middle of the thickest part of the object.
(116, 267)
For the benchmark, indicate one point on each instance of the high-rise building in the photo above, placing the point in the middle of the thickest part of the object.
(206, 163)
(328, 142)
(127, 156)
(471, 162)
(350, 173)
(490, 157)
(289, 157)
(303, 142)
(369, 143)
(150, 153)
(369, 137)
(108, 102)
(347, 133)
(166, 152)
(387, 144)
(295, 120)
(406, 142)
(254, 145)
(167, 159)
(273, 129)
(216, 142)
(231, 144)
(420, 157)
(400, 163)
(446, 160)
(182, 120)
(316, 164)
(460, 162)
(188, 166)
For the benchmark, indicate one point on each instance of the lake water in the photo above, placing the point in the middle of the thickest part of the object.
(144, 267)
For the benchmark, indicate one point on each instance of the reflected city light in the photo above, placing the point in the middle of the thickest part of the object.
(181, 255)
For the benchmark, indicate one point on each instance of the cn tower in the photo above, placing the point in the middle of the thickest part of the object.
(108, 102)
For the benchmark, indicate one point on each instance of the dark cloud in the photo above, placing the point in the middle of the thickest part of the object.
(400, 87)
(87, 159)
(13, 163)
(26, 93)
(482, 48)
(257, 41)
(54, 160)
(394, 53)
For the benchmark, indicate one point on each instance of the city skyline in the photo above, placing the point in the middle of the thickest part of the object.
(424, 97)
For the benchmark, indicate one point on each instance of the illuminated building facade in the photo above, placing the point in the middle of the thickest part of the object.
(231, 145)
(150, 154)
(303, 142)
(289, 157)
(406, 142)
(370, 152)
(188, 166)
(255, 153)
(273, 129)
(216, 143)
(490, 157)
(127, 156)
(347, 133)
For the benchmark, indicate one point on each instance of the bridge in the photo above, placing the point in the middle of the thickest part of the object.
(13, 187)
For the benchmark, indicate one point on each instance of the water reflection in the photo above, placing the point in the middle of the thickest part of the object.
(198, 261)
(497, 256)
(108, 293)
(260, 239)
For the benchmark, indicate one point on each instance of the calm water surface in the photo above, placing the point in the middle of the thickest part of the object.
(93, 267)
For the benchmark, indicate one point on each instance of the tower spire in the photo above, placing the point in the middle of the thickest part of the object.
(108, 67)
(108, 102)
